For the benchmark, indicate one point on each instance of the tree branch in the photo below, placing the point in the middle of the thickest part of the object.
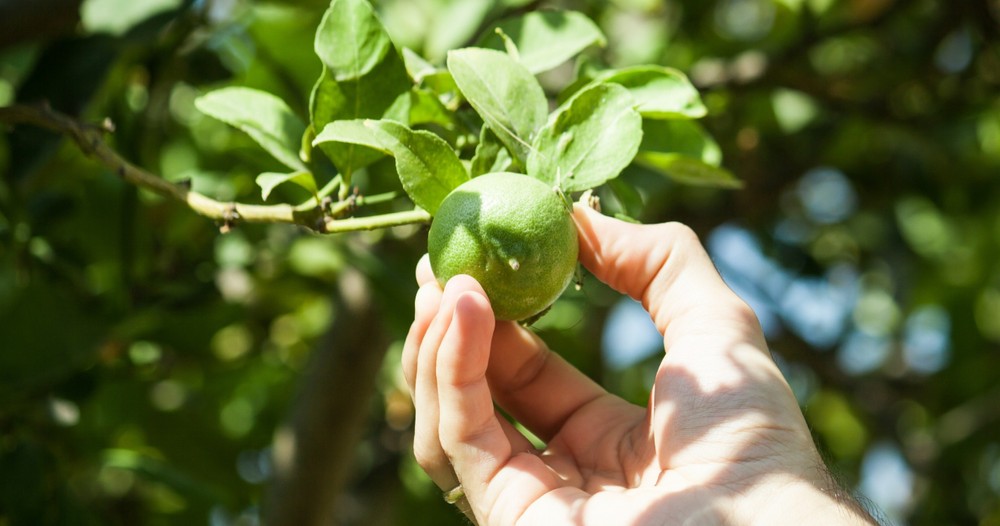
(90, 139)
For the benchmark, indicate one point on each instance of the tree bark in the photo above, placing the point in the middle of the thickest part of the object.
(314, 452)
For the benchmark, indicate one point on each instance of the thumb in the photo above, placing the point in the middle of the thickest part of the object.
(663, 266)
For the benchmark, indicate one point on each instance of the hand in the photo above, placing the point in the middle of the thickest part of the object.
(722, 440)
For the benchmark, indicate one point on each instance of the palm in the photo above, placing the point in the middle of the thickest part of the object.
(701, 433)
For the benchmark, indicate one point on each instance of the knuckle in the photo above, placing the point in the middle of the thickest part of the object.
(679, 234)
(429, 458)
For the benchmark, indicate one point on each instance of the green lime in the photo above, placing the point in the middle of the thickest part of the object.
(511, 232)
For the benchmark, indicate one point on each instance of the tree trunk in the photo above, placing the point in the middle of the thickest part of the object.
(314, 452)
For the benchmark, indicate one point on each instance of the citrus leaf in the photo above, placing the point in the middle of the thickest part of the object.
(503, 92)
(417, 66)
(628, 197)
(588, 141)
(350, 40)
(545, 39)
(685, 152)
(429, 76)
(690, 171)
(687, 138)
(455, 23)
(426, 108)
(428, 168)
(262, 116)
(490, 156)
(268, 181)
(369, 96)
(659, 92)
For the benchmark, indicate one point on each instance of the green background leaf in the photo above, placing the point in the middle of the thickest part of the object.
(264, 117)
(428, 168)
(589, 141)
(503, 92)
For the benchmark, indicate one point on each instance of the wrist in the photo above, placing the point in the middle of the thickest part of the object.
(796, 501)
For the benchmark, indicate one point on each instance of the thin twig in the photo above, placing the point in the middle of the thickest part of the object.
(90, 140)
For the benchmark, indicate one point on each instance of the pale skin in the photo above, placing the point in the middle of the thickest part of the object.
(721, 441)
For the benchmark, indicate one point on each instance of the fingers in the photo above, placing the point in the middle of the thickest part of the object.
(665, 267)
(425, 306)
(426, 440)
(424, 273)
(480, 445)
(522, 371)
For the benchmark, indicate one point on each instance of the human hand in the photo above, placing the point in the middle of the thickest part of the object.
(722, 440)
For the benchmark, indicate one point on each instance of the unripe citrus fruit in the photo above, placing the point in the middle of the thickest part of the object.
(511, 232)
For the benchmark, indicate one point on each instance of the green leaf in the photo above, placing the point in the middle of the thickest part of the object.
(589, 141)
(417, 66)
(628, 197)
(370, 96)
(687, 138)
(545, 39)
(503, 92)
(350, 39)
(684, 152)
(427, 166)
(426, 108)
(425, 74)
(490, 156)
(659, 92)
(264, 117)
(454, 24)
(267, 182)
(690, 171)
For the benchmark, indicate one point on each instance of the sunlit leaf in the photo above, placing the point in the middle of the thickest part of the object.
(684, 152)
(369, 96)
(428, 168)
(659, 92)
(503, 92)
(455, 24)
(589, 141)
(545, 39)
(264, 117)
(687, 138)
(350, 40)
(268, 181)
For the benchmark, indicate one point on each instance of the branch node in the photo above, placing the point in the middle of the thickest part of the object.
(229, 218)
(320, 224)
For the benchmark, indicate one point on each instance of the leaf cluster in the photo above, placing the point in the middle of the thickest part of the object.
(482, 110)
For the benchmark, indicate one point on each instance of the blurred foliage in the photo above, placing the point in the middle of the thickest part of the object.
(146, 361)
